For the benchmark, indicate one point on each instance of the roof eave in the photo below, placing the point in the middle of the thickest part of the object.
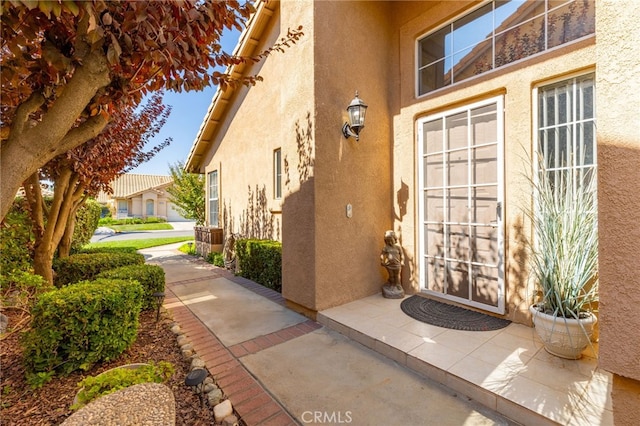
(246, 46)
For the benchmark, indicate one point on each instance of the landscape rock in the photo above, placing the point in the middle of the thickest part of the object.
(214, 397)
(230, 421)
(176, 329)
(222, 410)
(144, 404)
(182, 340)
(197, 363)
(208, 387)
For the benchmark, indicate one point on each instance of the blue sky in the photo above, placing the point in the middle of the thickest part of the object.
(188, 111)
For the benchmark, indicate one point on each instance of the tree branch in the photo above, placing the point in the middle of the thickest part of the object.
(25, 109)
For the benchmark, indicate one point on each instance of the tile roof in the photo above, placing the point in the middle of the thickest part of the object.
(129, 184)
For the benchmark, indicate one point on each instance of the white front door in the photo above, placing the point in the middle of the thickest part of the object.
(461, 185)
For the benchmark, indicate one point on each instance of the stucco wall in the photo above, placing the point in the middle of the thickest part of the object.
(275, 113)
(618, 112)
(515, 82)
(349, 172)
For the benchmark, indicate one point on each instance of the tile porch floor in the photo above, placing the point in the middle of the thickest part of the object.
(506, 370)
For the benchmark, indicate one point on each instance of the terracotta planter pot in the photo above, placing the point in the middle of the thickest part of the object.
(563, 337)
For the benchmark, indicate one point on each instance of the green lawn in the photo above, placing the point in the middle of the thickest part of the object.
(142, 227)
(141, 244)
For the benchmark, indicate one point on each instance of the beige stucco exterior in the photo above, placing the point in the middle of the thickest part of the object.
(329, 258)
(618, 112)
(141, 196)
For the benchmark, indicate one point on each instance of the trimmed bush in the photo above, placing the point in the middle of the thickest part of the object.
(85, 266)
(216, 259)
(151, 277)
(260, 261)
(76, 326)
(87, 219)
(109, 249)
(15, 240)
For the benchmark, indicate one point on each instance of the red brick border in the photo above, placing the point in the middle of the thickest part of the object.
(251, 401)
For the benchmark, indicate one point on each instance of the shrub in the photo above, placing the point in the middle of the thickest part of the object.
(151, 277)
(109, 249)
(119, 378)
(87, 219)
(15, 240)
(216, 259)
(86, 266)
(76, 326)
(260, 261)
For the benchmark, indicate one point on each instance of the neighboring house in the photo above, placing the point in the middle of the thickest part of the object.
(142, 196)
(461, 97)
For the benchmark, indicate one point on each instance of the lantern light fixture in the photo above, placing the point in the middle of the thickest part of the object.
(195, 380)
(158, 297)
(356, 109)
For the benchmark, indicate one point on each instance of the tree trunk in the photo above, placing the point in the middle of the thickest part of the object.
(64, 248)
(66, 198)
(30, 147)
(43, 261)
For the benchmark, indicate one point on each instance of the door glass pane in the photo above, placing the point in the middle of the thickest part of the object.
(458, 241)
(458, 168)
(457, 205)
(433, 169)
(485, 285)
(435, 274)
(485, 204)
(483, 164)
(434, 205)
(456, 126)
(432, 136)
(458, 279)
(485, 244)
(434, 235)
(483, 125)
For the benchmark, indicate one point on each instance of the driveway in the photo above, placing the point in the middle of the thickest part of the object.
(180, 229)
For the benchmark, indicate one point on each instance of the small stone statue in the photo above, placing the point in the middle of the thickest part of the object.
(391, 259)
(229, 252)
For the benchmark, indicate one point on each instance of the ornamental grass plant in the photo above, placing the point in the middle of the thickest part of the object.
(564, 253)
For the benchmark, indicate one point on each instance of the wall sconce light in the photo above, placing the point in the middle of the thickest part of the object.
(356, 110)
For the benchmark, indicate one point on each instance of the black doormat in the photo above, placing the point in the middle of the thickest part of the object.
(449, 316)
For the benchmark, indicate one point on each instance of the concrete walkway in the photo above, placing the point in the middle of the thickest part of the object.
(280, 368)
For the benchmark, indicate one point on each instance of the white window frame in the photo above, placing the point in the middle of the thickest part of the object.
(492, 37)
(213, 199)
(537, 154)
(277, 174)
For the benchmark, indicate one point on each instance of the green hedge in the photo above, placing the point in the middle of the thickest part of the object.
(87, 219)
(109, 249)
(86, 266)
(150, 276)
(76, 326)
(15, 240)
(216, 259)
(260, 261)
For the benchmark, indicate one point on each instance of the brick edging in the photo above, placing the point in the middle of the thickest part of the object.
(251, 401)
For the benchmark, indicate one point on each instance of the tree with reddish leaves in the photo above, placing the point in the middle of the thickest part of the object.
(84, 171)
(68, 66)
